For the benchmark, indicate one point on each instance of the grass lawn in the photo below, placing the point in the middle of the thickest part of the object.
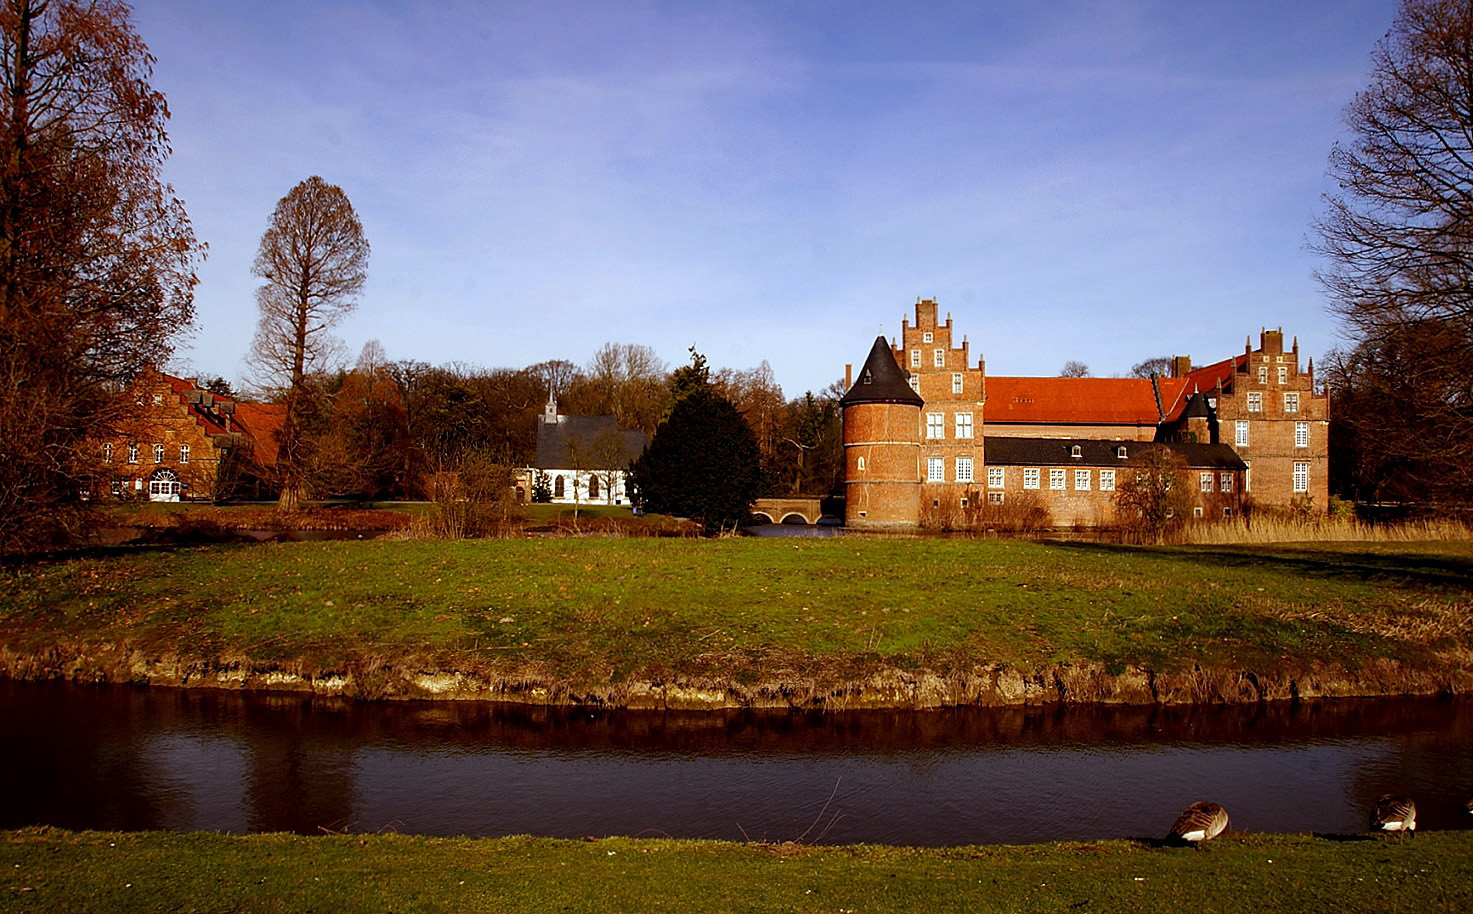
(49, 870)
(600, 610)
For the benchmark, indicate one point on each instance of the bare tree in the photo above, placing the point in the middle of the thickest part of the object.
(97, 258)
(314, 260)
(1074, 369)
(557, 375)
(1160, 367)
(1152, 498)
(1398, 236)
(628, 383)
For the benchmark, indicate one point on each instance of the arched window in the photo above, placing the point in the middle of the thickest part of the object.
(163, 485)
(1120, 452)
(1076, 451)
(593, 487)
(557, 487)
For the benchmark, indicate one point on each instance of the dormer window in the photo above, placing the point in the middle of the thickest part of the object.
(867, 379)
(1076, 452)
(1120, 452)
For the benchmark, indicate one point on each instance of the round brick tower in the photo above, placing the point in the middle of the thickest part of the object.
(882, 446)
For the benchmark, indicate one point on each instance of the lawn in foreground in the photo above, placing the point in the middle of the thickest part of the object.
(50, 870)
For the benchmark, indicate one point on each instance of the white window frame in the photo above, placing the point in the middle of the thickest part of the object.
(1056, 479)
(915, 383)
(996, 498)
(915, 358)
(1255, 401)
(132, 452)
(1107, 480)
(1207, 481)
(183, 453)
(1301, 477)
(859, 465)
(1240, 433)
(927, 336)
(1224, 482)
(996, 477)
(158, 453)
(935, 425)
(1291, 402)
(956, 382)
(1283, 375)
(1030, 477)
(1081, 480)
(1263, 374)
(1301, 434)
(964, 425)
(938, 358)
(963, 469)
(107, 453)
(935, 469)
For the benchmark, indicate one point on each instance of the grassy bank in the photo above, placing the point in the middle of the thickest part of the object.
(48, 870)
(682, 622)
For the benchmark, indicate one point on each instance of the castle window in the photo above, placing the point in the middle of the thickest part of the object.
(1121, 452)
(860, 465)
(1291, 403)
(963, 469)
(964, 425)
(956, 383)
(183, 453)
(995, 477)
(1240, 433)
(132, 452)
(1206, 482)
(1224, 482)
(927, 336)
(1076, 452)
(107, 453)
(1227, 512)
(1197, 511)
(1107, 480)
(1283, 375)
(1301, 477)
(964, 502)
(1263, 374)
(915, 358)
(1255, 402)
(158, 399)
(994, 498)
(1247, 475)
(1030, 478)
(935, 425)
(1081, 480)
(158, 453)
(938, 358)
(1056, 479)
(915, 383)
(935, 469)
(1301, 434)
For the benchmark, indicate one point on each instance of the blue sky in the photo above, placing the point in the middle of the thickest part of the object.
(1100, 181)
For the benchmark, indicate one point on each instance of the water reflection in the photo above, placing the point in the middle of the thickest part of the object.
(132, 759)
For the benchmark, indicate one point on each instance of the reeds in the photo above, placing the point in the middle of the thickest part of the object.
(1289, 529)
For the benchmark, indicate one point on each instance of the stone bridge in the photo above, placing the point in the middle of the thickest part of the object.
(788, 510)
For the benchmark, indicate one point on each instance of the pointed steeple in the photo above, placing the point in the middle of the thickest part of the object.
(881, 380)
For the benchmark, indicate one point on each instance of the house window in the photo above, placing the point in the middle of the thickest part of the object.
(132, 452)
(1283, 375)
(994, 477)
(1240, 433)
(1224, 482)
(557, 487)
(1301, 434)
(1206, 482)
(1030, 478)
(1107, 480)
(935, 425)
(158, 453)
(1056, 479)
(593, 487)
(1076, 452)
(927, 336)
(995, 498)
(964, 425)
(1081, 480)
(938, 358)
(860, 465)
(1255, 402)
(183, 453)
(963, 469)
(1291, 403)
(1301, 477)
(1263, 374)
(956, 382)
(107, 453)
(915, 358)
(1121, 452)
(935, 469)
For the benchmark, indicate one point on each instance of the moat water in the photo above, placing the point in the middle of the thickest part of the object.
(121, 758)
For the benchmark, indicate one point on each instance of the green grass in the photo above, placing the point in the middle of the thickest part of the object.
(607, 609)
(49, 870)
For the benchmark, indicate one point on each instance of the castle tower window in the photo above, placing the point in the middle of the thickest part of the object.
(964, 425)
(915, 383)
(935, 425)
(859, 465)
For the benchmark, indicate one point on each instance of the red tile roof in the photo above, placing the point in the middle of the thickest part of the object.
(1207, 377)
(1083, 401)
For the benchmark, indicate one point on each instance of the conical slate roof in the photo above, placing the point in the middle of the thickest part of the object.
(881, 380)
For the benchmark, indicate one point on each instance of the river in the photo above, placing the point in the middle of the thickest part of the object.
(122, 758)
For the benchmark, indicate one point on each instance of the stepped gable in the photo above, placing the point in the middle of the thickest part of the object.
(881, 380)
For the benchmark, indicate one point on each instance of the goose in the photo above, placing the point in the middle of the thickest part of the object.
(1394, 813)
(1198, 823)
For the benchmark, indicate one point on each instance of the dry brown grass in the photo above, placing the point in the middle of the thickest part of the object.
(1288, 529)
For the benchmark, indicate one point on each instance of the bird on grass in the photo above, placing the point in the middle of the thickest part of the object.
(1197, 823)
(1395, 813)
